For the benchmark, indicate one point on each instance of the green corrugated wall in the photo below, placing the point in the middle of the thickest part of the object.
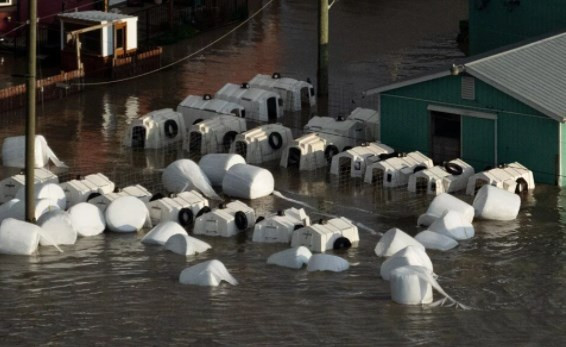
(493, 24)
(523, 134)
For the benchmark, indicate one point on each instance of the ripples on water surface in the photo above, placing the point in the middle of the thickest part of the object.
(111, 289)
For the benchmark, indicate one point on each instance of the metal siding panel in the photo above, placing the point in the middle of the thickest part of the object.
(531, 141)
(404, 124)
(478, 142)
(562, 179)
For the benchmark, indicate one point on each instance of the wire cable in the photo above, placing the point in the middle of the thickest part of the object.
(181, 59)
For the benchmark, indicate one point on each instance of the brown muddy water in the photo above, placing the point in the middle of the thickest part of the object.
(111, 289)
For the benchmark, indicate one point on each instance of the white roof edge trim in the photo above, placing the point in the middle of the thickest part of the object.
(406, 83)
(523, 99)
(462, 112)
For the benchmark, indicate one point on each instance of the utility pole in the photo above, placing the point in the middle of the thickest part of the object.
(105, 5)
(322, 71)
(30, 120)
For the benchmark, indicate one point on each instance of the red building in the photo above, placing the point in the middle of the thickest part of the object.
(14, 13)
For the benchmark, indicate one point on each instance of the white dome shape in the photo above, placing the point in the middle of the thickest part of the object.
(87, 219)
(186, 245)
(13, 152)
(409, 255)
(326, 262)
(59, 227)
(51, 191)
(437, 241)
(293, 258)
(393, 241)
(183, 175)
(126, 214)
(452, 224)
(162, 232)
(408, 287)
(6, 209)
(412, 285)
(443, 203)
(18, 211)
(215, 165)
(209, 273)
(496, 204)
(18, 238)
(248, 182)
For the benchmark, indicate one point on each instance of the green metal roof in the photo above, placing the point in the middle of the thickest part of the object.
(534, 74)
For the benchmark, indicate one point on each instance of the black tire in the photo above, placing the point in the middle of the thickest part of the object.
(346, 148)
(419, 168)
(298, 226)
(206, 97)
(276, 75)
(203, 210)
(198, 120)
(275, 140)
(341, 243)
(92, 196)
(453, 169)
(157, 196)
(259, 219)
(280, 213)
(185, 217)
(330, 151)
(228, 138)
(487, 168)
(522, 186)
(241, 220)
(171, 128)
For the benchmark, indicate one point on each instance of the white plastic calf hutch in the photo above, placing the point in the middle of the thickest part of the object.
(353, 162)
(280, 227)
(326, 137)
(156, 129)
(138, 191)
(182, 208)
(10, 186)
(195, 109)
(294, 93)
(370, 118)
(214, 135)
(329, 235)
(259, 104)
(263, 143)
(451, 177)
(306, 153)
(512, 177)
(395, 171)
(82, 190)
(226, 220)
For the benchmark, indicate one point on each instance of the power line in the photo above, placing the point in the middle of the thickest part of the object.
(181, 59)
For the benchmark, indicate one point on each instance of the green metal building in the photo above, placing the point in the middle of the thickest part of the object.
(498, 109)
(496, 23)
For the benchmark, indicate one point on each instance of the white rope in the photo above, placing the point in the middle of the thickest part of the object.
(182, 59)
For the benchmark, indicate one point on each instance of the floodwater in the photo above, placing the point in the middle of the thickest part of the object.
(111, 289)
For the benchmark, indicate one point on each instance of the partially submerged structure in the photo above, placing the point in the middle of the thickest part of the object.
(90, 40)
(451, 177)
(263, 143)
(502, 108)
(353, 162)
(295, 94)
(195, 109)
(395, 171)
(214, 135)
(260, 104)
(156, 129)
(512, 177)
